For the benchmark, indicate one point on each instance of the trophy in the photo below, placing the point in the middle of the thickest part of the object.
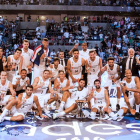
(81, 104)
(100, 113)
(138, 59)
(32, 118)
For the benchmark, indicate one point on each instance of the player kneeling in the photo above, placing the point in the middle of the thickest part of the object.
(24, 104)
(98, 99)
(69, 99)
(131, 91)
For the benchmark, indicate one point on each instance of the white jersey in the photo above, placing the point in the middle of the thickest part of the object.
(11, 74)
(22, 82)
(112, 73)
(76, 68)
(62, 85)
(15, 62)
(43, 90)
(84, 54)
(26, 58)
(27, 105)
(55, 71)
(94, 66)
(4, 88)
(99, 96)
(131, 85)
(79, 95)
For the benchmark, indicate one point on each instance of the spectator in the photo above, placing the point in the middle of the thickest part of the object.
(76, 41)
(43, 34)
(53, 54)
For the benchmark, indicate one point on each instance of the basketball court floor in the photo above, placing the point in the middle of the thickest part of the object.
(72, 128)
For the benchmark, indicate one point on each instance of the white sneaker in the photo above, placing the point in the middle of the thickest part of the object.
(54, 116)
(86, 113)
(120, 118)
(1, 119)
(105, 117)
(39, 118)
(47, 112)
(59, 110)
(115, 117)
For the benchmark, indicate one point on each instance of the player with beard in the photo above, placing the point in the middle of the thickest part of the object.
(98, 97)
(74, 67)
(69, 99)
(131, 91)
(44, 91)
(24, 104)
(15, 61)
(39, 58)
(20, 81)
(93, 66)
(114, 75)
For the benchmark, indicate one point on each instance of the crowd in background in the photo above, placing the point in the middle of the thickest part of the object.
(124, 34)
(73, 2)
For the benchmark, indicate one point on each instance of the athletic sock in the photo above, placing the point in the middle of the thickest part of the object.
(62, 104)
(118, 101)
(120, 112)
(93, 115)
(7, 118)
(4, 113)
(137, 107)
(60, 114)
(111, 114)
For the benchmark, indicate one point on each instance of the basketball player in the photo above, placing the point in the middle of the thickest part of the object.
(20, 81)
(39, 57)
(69, 99)
(131, 91)
(24, 104)
(61, 84)
(6, 85)
(54, 69)
(99, 98)
(114, 75)
(93, 67)
(74, 67)
(43, 90)
(27, 54)
(15, 61)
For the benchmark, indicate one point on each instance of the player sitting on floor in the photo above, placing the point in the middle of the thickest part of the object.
(98, 98)
(24, 104)
(131, 91)
(6, 86)
(69, 99)
(43, 90)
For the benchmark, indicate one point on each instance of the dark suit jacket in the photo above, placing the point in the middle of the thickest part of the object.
(65, 60)
(135, 68)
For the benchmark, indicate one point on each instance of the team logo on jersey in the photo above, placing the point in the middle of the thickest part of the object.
(72, 67)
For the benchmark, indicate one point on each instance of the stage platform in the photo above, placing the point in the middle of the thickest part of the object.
(68, 128)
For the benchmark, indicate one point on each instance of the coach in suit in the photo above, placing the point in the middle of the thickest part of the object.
(130, 62)
(63, 61)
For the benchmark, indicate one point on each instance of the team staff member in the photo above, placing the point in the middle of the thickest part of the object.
(39, 58)
(130, 62)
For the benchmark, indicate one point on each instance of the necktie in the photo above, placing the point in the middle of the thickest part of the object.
(61, 62)
(130, 63)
